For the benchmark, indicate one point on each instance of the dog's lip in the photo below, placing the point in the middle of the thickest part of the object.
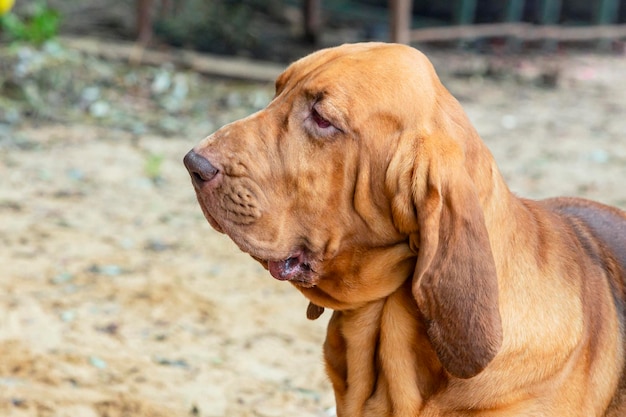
(296, 268)
(212, 221)
(287, 269)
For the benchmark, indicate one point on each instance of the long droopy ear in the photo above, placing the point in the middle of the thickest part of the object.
(455, 282)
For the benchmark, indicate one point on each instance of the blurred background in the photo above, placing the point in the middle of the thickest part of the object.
(117, 298)
(282, 30)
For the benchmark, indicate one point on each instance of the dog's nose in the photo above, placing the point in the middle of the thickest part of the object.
(199, 168)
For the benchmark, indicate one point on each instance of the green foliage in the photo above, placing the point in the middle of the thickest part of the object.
(153, 166)
(41, 25)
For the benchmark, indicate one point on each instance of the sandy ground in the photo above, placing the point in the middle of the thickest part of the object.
(117, 299)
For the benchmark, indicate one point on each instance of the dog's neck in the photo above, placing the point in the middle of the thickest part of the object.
(378, 355)
(357, 277)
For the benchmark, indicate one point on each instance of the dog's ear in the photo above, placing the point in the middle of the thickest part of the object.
(455, 282)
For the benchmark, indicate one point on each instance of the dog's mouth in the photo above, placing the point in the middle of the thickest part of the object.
(297, 269)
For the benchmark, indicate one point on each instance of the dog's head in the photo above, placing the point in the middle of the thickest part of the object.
(362, 173)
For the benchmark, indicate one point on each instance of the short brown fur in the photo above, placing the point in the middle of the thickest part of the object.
(452, 296)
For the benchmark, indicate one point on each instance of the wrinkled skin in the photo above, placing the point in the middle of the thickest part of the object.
(364, 184)
(315, 142)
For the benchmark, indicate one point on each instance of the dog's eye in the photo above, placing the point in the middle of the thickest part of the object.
(319, 120)
(317, 124)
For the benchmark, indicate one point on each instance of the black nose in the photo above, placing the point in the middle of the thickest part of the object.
(199, 168)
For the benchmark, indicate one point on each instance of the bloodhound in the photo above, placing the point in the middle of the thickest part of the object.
(365, 186)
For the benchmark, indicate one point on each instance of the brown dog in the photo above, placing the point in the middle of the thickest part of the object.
(364, 185)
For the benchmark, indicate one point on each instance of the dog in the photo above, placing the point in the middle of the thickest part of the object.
(364, 185)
